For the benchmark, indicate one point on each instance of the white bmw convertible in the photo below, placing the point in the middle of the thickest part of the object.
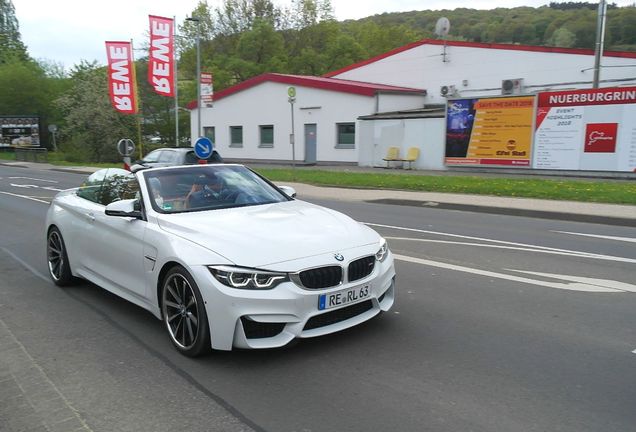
(221, 255)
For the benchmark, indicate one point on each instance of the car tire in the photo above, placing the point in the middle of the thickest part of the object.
(57, 259)
(183, 312)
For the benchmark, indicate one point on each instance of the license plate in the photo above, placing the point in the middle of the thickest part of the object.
(343, 297)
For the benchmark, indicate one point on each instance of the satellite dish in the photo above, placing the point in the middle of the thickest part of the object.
(442, 27)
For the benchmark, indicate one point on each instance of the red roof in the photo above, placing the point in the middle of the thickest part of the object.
(332, 84)
(543, 49)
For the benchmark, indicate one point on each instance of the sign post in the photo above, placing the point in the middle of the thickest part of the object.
(291, 92)
(126, 147)
(53, 130)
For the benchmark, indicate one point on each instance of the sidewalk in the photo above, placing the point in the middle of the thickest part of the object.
(611, 214)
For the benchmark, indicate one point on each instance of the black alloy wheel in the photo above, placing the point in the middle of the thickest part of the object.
(184, 313)
(57, 259)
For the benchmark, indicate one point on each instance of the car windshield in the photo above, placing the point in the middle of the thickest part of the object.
(209, 187)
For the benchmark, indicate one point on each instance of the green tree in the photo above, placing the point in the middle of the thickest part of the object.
(563, 38)
(11, 46)
(92, 126)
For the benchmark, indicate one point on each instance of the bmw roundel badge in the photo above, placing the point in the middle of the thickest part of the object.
(338, 257)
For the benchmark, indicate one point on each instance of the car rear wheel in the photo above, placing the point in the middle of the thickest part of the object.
(184, 313)
(59, 268)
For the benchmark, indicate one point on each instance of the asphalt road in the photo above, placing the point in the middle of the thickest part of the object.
(501, 323)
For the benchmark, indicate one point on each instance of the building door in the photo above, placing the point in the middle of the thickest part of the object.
(310, 143)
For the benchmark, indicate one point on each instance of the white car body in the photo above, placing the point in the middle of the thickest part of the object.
(130, 256)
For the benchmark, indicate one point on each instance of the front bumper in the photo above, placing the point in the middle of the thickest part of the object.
(273, 318)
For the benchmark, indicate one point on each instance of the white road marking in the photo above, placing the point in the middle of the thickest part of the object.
(634, 352)
(25, 197)
(606, 283)
(30, 186)
(570, 253)
(480, 239)
(38, 179)
(576, 286)
(625, 239)
(24, 186)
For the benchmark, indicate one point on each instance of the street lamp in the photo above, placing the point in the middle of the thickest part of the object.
(198, 21)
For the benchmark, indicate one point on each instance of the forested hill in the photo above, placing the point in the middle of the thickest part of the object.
(243, 38)
(571, 25)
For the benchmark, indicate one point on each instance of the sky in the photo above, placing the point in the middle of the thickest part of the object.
(68, 31)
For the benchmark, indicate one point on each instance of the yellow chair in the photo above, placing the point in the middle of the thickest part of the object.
(412, 155)
(392, 155)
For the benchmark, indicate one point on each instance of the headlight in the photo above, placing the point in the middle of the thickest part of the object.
(381, 254)
(243, 278)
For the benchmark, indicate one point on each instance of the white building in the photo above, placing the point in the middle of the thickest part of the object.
(383, 99)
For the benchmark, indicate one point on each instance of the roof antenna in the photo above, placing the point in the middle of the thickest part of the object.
(442, 27)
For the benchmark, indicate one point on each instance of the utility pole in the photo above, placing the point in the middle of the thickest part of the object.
(600, 41)
(198, 21)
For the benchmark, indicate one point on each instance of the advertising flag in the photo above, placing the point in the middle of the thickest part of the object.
(207, 90)
(121, 77)
(161, 57)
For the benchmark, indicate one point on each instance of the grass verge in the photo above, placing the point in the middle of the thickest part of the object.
(570, 190)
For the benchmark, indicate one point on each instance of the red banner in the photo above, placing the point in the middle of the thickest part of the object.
(121, 77)
(161, 58)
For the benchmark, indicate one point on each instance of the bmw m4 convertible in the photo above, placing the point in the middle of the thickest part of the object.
(221, 255)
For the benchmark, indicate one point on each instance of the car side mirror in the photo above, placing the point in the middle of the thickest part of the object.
(288, 190)
(124, 208)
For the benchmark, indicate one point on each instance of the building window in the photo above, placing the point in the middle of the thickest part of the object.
(267, 136)
(236, 136)
(346, 135)
(208, 132)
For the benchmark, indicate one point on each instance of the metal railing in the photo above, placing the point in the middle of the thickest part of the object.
(31, 154)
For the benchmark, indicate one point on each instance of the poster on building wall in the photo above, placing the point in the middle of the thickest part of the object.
(592, 130)
(19, 131)
(489, 131)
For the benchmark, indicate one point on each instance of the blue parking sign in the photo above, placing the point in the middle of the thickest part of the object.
(203, 147)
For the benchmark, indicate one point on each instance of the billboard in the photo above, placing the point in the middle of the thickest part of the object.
(489, 131)
(592, 129)
(19, 131)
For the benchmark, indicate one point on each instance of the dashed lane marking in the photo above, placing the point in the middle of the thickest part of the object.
(37, 179)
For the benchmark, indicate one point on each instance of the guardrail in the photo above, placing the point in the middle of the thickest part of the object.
(31, 154)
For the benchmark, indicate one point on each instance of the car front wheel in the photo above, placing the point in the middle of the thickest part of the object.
(184, 313)
(57, 258)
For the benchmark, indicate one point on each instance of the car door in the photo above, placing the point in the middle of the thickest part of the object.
(116, 244)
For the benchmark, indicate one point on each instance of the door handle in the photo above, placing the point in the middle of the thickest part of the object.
(91, 217)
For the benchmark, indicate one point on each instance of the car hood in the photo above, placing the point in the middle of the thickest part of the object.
(262, 235)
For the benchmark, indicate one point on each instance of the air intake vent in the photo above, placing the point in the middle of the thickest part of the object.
(361, 268)
(321, 277)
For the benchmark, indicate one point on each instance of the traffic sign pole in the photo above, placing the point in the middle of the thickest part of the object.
(291, 92)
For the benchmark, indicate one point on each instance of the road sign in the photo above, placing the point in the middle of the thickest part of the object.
(126, 147)
(203, 147)
(291, 92)
(52, 128)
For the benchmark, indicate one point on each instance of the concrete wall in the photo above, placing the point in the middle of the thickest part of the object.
(267, 104)
(426, 134)
(484, 69)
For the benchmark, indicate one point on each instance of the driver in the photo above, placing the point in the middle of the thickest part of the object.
(205, 190)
